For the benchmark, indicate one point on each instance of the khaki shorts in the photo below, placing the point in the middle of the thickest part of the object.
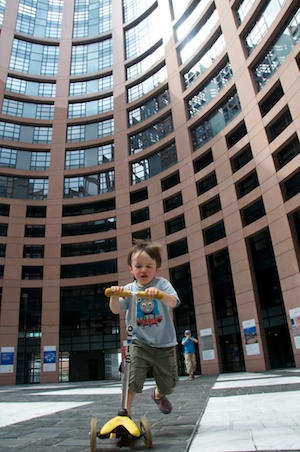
(162, 362)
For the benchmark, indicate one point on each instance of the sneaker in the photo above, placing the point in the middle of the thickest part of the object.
(163, 403)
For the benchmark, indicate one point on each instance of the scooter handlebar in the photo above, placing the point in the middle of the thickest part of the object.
(127, 293)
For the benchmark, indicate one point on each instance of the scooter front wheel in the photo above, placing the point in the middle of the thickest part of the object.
(145, 431)
(93, 435)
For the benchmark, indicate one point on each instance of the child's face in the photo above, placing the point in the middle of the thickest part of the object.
(143, 268)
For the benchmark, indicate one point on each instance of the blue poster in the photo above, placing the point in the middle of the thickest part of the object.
(7, 358)
(49, 357)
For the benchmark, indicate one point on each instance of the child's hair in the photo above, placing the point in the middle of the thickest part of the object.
(153, 249)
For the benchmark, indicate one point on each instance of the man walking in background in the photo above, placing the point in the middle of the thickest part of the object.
(188, 342)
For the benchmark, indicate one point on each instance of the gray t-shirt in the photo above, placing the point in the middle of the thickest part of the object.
(154, 324)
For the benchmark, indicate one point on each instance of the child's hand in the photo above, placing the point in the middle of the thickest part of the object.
(152, 292)
(117, 290)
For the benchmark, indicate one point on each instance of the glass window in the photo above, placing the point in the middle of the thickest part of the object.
(287, 153)
(203, 161)
(217, 121)
(40, 18)
(93, 107)
(90, 131)
(134, 8)
(40, 161)
(138, 216)
(91, 86)
(170, 181)
(142, 36)
(9, 131)
(194, 12)
(90, 227)
(209, 91)
(139, 90)
(177, 248)
(42, 135)
(173, 202)
(8, 157)
(27, 110)
(206, 183)
(253, 212)
(138, 195)
(214, 233)
(242, 158)
(2, 10)
(34, 58)
(91, 57)
(33, 251)
(263, 23)
(35, 230)
(2, 250)
(275, 129)
(4, 210)
(33, 272)
(243, 9)
(291, 186)
(248, 184)
(174, 225)
(149, 108)
(179, 6)
(295, 227)
(30, 317)
(91, 269)
(153, 164)
(91, 185)
(86, 248)
(204, 62)
(235, 135)
(143, 234)
(36, 211)
(13, 158)
(271, 99)
(31, 88)
(3, 229)
(22, 188)
(210, 207)
(144, 63)
(151, 135)
(198, 36)
(278, 52)
(89, 208)
(92, 18)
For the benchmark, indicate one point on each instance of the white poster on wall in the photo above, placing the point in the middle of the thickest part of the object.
(49, 358)
(7, 360)
(207, 344)
(250, 332)
(295, 319)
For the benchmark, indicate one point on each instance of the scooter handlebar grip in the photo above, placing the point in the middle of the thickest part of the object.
(109, 293)
(127, 293)
(142, 294)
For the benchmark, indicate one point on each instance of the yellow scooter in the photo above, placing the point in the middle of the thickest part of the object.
(122, 426)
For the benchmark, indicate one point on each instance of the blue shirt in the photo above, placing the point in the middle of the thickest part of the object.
(189, 346)
(154, 324)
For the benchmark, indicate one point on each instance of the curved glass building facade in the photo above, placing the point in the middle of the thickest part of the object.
(171, 119)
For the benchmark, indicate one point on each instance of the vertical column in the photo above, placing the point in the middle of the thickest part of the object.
(122, 169)
(10, 302)
(52, 262)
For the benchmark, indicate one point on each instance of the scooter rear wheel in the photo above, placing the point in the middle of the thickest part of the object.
(145, 431)
(93, 435)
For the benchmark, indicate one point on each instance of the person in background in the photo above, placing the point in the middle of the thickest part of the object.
(121, 369)
(188, 342)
